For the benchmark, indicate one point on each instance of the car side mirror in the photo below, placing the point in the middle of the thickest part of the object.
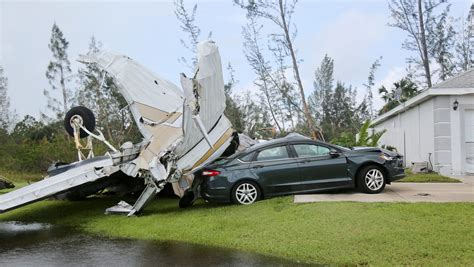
(334, 153)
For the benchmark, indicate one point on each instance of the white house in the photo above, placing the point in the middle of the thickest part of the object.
(437, 122)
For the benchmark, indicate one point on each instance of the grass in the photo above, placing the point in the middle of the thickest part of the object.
(432, 177)
(335, 233)
(19, 179)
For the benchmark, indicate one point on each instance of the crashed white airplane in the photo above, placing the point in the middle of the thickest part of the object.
(183, 130)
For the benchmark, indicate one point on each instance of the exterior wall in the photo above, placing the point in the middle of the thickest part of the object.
(442, 134)
(411, 132)
(432, 127)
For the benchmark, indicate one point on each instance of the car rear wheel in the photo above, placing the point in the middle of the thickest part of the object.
(371, 179)
(246, 193)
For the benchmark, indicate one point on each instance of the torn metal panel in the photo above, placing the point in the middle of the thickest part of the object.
(245, 142)
(156, 104)
(206, 91)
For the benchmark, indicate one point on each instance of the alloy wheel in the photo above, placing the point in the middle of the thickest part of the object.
(374, 179)
(246, 193)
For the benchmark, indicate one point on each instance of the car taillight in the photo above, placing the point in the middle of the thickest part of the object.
(210, 173)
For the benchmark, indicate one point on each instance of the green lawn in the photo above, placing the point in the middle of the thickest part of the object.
(432, 177)
(336, 233)
(19, 179)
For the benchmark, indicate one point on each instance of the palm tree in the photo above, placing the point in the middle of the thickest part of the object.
(403, 90)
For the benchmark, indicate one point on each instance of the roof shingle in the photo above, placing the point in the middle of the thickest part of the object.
(463, 80)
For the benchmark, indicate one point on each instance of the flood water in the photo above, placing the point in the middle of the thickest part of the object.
(36, 244)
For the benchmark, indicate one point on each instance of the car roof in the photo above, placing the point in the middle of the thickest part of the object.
(292, 137)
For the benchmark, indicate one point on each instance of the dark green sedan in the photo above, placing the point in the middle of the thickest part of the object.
(296, 164)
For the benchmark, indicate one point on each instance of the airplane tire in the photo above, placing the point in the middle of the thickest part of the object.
(88, 120)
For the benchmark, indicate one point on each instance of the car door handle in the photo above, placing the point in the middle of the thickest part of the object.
(306, 161)
(257, 166)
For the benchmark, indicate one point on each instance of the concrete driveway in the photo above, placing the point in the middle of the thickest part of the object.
(401, 192)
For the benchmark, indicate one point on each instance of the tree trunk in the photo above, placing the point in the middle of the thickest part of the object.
(63, 88)
(426, 63)
(297, 73)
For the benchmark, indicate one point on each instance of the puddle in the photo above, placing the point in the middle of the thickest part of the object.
(36, 244)
(13, 228)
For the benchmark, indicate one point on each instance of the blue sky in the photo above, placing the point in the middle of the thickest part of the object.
(354, 33)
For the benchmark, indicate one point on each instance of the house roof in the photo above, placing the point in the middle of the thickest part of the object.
(461, 84)
(463, 80)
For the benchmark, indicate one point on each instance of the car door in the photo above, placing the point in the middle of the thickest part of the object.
(319, 169)
(275, 169)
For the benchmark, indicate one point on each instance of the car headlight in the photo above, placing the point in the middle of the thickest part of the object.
(386, 157)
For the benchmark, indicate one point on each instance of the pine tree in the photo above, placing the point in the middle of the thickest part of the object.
(187, 20)
(5, 115)
(323, 90)
(58, 74)
(443, 45)
(269, 94)
(430, 35)
(256, 118)
(280, 14)
(464, 45)
(232, 110)
(366, 108)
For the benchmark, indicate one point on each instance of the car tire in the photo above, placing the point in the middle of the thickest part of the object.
(88, 120)
(371, 179)
(187, 200)
(246, 193)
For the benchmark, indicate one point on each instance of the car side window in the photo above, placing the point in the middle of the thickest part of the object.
(273, 153)
(308, 150)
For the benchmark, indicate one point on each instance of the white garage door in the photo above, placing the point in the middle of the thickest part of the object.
(469, 139)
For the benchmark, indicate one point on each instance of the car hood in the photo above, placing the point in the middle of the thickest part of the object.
(365, 150)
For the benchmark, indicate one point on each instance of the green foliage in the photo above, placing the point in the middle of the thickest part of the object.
(5, 113)
(431, 177)
(257, 119)
(340, 112)
(335, 107)
(345, 139)
(33, 146)
(402, 91)
(187, 21)
(232, 110)
(366, 137)
(464, 47)
(58, 74)
(389, 147)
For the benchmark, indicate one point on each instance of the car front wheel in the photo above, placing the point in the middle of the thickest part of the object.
(245, 193)
(371, 179)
